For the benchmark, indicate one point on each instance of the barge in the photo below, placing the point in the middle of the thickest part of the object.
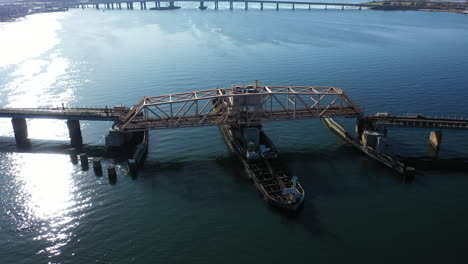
(259, 158)
(372, 145)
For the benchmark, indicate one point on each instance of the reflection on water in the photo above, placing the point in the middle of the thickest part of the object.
(29, 38)
(46, 198)
(41, 76)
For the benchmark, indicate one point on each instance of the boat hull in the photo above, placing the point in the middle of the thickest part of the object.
(230, 142)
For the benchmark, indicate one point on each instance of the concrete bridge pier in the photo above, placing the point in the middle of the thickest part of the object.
(326, 7)
(293, 6)
(202, 5)
(112, 5)
(120, 5)
(97, 6)
(246, 5)
(20, 128)
(231, 5)
(342, 7)
(277, 6)
(108, 6)
(171, 4)
(261, 5)
(360, 8)
(435, 139)
(216, 5)
(75, 133)
(309, 6)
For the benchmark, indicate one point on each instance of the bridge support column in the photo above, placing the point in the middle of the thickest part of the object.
(216, 5)
(75, 133)
(108, 6)
(120, 5)
(231, 5)
(112, 5)
(309, 6)
(360, 8)
(435, 139)
(20, 127)
(171, 4)
(246, 5)
(342, 7)
(326, 7)
(202, 5)
(97, 6)
(261, 5)
(277, 6)
(292, 6)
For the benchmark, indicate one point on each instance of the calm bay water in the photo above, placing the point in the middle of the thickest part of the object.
(191, 202)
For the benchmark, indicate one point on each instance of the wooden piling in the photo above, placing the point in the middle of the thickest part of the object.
(409, 174)
(97, 166)
(111, 174)
(84, 161)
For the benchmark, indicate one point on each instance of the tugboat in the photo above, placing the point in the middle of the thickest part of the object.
(260, 160)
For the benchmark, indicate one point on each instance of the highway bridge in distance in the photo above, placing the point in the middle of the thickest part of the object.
(129, 4)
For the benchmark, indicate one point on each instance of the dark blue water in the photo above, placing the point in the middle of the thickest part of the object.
(191, 203)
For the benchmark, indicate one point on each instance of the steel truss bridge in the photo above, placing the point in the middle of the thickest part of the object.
(238, 105)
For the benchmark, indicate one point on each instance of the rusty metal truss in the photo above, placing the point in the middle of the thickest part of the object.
(239, 105)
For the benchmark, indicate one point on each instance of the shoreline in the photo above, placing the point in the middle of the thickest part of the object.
(450, 7)
(11, 13)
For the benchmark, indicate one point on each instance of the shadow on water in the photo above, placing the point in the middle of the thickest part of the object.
(233, 174)
(42, 146)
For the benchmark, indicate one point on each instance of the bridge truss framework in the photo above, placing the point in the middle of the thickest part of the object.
(238, 105)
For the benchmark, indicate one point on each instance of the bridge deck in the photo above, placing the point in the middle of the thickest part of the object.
(101, 114)
(417, 121)
(226, 1)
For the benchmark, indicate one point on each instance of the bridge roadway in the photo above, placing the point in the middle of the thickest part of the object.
(96, 114)
(246, 2)
(416, 121)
